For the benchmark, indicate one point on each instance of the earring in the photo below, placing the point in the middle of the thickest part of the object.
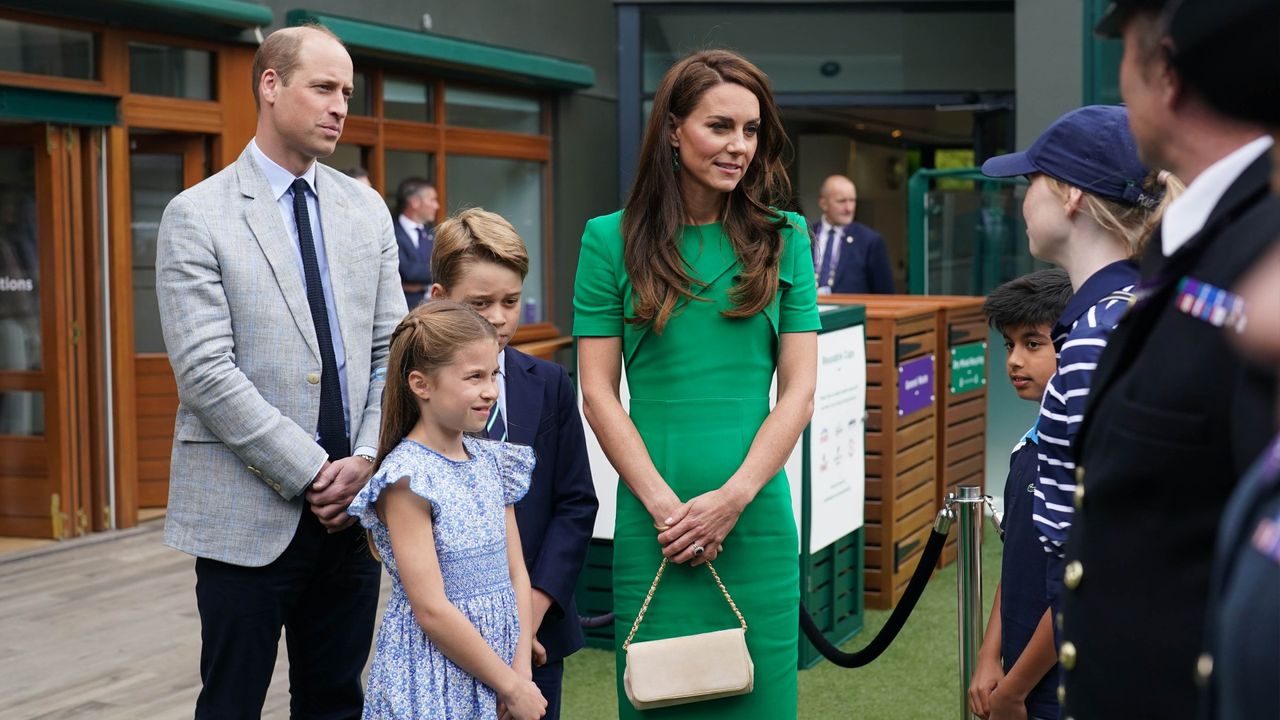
(675, 159)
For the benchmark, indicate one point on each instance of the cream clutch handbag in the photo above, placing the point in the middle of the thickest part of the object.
(689, 668)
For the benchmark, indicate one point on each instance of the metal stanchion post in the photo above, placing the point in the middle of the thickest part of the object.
(969, 505)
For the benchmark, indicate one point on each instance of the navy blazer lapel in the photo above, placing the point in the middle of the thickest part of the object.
(848, 236)
(524, 397)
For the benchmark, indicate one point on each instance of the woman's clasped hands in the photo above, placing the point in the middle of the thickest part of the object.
(695, 531)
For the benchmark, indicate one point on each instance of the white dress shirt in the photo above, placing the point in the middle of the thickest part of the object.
(411, 228)
(1187, 215)
(502, 389)
(824, 236)
(281, 182)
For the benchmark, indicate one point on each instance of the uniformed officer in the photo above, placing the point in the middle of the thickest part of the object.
(1176, 416)
(1240, 668)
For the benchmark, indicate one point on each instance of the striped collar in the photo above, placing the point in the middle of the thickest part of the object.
(1117, 275)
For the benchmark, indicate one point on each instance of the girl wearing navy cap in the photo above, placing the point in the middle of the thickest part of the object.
(1090, 208)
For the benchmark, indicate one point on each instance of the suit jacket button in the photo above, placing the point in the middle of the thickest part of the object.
(275, 486)
(313, 378)
(1204, 668)
(1067, 656)
(255, 471)
(1073, 573)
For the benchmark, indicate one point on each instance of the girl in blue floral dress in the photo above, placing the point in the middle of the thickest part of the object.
(455, 641)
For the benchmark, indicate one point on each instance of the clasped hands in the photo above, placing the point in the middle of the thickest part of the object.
(333, 489)
(703, 522)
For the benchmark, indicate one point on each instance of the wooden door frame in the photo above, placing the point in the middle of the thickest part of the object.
(59, 454)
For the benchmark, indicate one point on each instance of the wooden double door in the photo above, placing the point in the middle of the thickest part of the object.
(87, 398)
(50, 239)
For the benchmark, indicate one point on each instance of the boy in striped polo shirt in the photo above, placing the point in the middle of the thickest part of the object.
(1089, 210)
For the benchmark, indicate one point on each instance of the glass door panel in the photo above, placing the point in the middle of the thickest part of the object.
(161, 165)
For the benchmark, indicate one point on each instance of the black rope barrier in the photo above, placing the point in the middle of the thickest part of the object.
(924, 570)
(598, 621)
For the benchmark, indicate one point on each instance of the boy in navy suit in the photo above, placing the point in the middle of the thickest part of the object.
(1016, 676)
(480, 260)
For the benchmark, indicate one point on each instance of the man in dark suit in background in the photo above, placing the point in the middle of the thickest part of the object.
(416, 206)
(848, 257)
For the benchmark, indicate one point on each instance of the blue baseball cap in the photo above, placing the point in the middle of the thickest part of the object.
(1090, 148)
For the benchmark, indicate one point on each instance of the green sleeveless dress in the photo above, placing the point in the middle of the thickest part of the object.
(699, 393)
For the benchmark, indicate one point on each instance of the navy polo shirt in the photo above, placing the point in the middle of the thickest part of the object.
(1023, 595)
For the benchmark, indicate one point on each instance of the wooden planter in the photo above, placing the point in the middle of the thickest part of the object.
(962, 391)
(901, 442)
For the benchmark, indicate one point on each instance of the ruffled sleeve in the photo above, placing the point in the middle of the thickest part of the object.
(515, 468)
(365, 505)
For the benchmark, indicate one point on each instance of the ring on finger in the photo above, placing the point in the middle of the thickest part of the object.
(698, 550)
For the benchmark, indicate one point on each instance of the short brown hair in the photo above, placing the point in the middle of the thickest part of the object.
(475, 234)
(280, 51)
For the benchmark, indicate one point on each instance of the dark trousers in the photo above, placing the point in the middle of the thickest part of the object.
(323, 590)
(549, 678)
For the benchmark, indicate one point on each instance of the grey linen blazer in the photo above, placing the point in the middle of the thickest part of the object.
(239, 334)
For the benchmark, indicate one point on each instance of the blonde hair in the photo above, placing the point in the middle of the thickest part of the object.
(475, 234)
(1132, 224)
(427, 339)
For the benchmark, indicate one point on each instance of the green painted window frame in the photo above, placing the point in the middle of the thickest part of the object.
(55, 106)
(439, 52)
(1101, 76)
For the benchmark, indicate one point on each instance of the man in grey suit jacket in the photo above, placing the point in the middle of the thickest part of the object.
(279, 290)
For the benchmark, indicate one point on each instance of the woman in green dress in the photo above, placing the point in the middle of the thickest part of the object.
(701, 289)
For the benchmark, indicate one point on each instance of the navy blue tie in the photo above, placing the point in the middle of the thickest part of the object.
(331, 426)
(827, 252)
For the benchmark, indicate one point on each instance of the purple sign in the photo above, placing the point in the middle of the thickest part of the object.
(915, 385)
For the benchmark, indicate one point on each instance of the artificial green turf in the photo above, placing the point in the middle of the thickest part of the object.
(917, 678)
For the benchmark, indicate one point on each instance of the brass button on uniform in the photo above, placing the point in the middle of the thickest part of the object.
(1062, 694)
(1067, 656)
(1073, 574)
(1079, 474)
(1079, 495)
(1204, 668)
(313, 378)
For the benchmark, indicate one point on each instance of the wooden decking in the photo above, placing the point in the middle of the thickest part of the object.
(106, 630)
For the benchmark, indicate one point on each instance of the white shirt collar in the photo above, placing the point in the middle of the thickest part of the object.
(410, 227)
(278, 178)
(1187, 215)
(502, 362)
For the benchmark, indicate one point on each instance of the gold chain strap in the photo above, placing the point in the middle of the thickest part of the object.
(649, 598)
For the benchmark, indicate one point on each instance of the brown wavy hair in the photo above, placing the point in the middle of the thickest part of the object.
(655, 211)
(427, 339)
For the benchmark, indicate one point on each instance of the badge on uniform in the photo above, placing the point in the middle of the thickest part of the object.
(1218, 307)
(1266, 538)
